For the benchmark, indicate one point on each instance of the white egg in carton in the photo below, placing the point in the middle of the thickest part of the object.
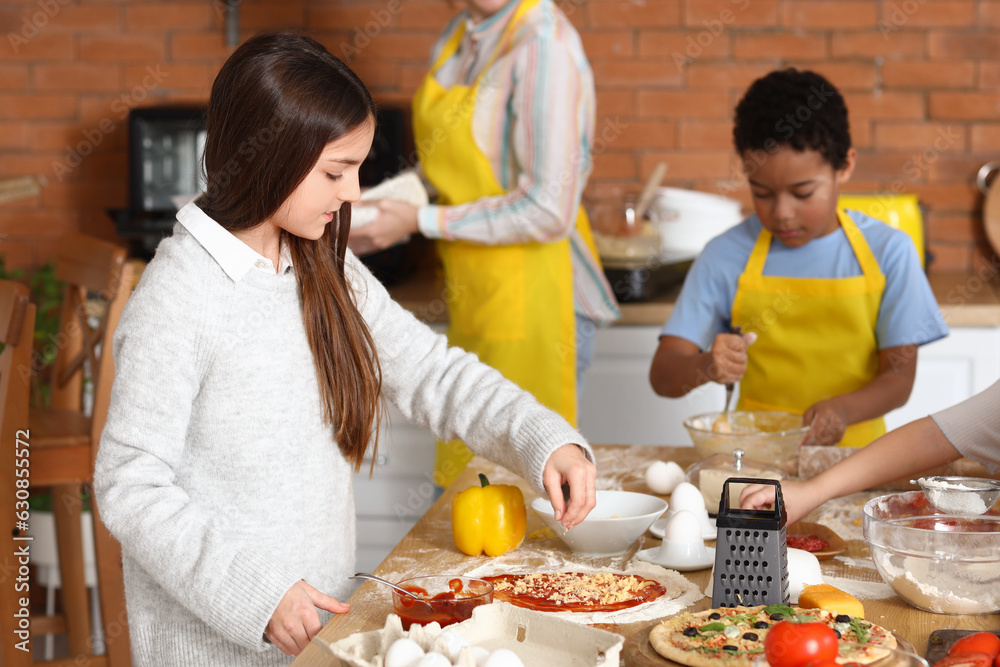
(497, 635)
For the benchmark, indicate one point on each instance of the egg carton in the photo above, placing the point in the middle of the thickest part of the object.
(536, 637)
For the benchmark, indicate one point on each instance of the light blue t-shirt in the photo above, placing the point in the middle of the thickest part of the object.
(908, 314)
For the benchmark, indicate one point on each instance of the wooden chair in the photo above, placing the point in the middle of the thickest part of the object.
(64, 441)
(17, 328)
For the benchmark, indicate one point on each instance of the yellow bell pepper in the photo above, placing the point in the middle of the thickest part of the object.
(489, 518)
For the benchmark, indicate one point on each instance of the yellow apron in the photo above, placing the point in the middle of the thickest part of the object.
(510, 304)
(815, 336)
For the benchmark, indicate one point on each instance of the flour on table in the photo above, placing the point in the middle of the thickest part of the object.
(672, 580)
(870, 590)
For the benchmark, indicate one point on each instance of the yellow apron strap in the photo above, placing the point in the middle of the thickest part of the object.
(863, 252)
(758, 256)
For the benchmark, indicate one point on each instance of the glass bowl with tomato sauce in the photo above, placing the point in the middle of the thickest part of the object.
(939, 562)
(443, 599)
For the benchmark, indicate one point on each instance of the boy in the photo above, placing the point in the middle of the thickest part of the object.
(835, 303)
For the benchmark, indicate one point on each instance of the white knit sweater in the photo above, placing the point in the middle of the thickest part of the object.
(216, 471)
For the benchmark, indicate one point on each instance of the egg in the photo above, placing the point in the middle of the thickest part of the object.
(431, 660)
(403, 653)
(683, 526)
(686, 496)
(480, 655)
(503, 657)
(663, 476)
(450, 643)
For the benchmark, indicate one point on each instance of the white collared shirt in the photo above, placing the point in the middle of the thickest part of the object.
(234, 256)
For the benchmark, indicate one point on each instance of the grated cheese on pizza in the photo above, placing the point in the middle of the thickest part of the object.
(574, 591)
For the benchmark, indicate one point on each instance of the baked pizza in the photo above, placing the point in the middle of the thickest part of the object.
(734, 636)
(575, 591)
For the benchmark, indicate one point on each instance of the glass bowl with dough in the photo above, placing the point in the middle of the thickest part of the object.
(764, 435)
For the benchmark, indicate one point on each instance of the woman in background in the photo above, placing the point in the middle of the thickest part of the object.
(503, 124)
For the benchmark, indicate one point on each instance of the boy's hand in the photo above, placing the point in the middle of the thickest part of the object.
(729, 357)
(295, 622)
(826, 422)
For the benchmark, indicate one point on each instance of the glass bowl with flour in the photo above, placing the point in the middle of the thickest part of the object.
(943, 562)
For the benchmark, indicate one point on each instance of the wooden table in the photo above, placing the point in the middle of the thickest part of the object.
(429, 549)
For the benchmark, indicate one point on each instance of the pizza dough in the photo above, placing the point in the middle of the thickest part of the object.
(681, 593)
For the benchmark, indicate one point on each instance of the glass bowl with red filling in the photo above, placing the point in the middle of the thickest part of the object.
(443, 599)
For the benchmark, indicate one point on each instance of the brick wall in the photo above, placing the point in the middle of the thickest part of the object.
(921, 78)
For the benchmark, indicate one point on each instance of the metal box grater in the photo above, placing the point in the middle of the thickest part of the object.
(751, 554)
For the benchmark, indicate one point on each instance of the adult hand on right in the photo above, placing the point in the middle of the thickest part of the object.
(799, 498)
(295, 622)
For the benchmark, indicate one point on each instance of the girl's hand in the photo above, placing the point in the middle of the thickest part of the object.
(729, 356)
(396, 220)
(570, 466)
(295, 622)
(827, 423)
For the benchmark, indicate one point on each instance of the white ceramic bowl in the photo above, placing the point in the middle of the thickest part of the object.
(689, 219)
(618, 521)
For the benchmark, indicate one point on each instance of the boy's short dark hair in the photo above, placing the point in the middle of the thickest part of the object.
(794, 108)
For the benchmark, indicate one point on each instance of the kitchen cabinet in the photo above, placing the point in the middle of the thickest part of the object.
(950, 370)
(620, 407)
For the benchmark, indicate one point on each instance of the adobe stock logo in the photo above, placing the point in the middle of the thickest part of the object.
(30, 26)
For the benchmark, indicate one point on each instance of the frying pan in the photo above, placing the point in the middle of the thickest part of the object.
(991, 207)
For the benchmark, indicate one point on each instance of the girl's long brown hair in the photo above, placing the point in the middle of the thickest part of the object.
(275, 105)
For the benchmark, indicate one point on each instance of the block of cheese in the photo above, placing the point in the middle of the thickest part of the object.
(825, 596)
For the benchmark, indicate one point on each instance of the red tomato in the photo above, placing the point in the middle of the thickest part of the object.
(996, 661)
(795, 644)
(965, 660)
(980, 642)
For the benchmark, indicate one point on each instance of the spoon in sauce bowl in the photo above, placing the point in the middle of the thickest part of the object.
(365, 575)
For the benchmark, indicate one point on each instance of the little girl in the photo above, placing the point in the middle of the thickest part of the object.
(251, 365)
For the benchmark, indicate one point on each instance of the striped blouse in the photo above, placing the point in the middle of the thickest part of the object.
(534, 122)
